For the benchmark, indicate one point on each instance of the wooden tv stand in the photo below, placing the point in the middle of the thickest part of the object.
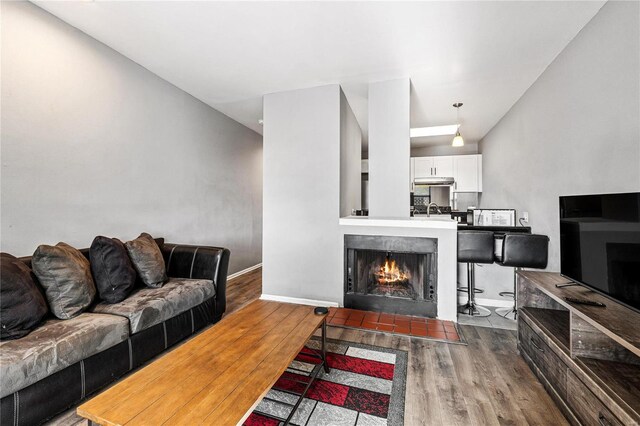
(587, 357)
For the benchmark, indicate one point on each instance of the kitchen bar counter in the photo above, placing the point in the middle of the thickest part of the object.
(440, 221)
(433, 222)
(496, 229)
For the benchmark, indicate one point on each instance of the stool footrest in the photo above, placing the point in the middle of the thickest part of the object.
(507, 293)
(466, 290)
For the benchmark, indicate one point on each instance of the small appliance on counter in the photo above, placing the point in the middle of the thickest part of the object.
(491, 217)
(360, 212)
(460, 217)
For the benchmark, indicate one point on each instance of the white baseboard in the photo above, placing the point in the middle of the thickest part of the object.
(244, 271)
(498, 303)
(299, 301)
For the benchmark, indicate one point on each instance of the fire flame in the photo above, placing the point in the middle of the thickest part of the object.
(390, 273)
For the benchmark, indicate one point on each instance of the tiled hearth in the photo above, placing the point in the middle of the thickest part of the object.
(394, 323)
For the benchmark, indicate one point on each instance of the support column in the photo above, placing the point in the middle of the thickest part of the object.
(389, 148)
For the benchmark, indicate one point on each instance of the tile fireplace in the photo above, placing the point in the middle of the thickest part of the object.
(391, 274)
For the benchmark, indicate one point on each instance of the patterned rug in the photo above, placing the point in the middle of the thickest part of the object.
(366, 387)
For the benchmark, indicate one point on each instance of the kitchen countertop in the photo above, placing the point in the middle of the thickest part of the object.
(498, 229)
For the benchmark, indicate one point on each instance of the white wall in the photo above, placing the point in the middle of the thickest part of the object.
(389, 156)
(92, 144)
(301, 242)
(436, 150)
(575, 131)
(350, 159)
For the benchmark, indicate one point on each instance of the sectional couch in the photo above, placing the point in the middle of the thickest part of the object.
(62, 362)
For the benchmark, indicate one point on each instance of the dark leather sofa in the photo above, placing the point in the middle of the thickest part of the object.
(126, 345)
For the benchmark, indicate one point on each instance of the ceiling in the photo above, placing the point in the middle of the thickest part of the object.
(230, 54)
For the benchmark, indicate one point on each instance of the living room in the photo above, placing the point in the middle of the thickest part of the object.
(320, 213)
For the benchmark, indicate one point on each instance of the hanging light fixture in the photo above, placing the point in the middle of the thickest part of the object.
(457, 140)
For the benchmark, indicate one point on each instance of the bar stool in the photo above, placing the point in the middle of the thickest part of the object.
(474, 247)
(521, 251)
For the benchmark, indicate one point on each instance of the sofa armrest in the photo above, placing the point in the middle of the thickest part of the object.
(204, 262)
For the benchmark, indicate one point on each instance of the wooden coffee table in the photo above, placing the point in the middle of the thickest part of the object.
(217, 377)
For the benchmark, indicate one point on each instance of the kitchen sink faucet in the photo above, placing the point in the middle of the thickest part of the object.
(429, 208)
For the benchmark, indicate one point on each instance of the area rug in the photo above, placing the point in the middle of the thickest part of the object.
(419, 327)
(366, 386)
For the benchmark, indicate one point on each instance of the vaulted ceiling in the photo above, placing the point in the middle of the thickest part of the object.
(229, 54)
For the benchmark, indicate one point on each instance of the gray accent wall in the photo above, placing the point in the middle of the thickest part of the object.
(94, 144)
(575, 131)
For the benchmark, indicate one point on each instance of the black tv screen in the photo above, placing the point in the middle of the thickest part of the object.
(600, 243)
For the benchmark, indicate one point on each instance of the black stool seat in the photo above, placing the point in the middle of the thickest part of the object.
(525, 251)
(474, 247)
(521, 251)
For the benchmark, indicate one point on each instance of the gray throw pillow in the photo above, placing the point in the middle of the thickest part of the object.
(147, 260)
(65, 275)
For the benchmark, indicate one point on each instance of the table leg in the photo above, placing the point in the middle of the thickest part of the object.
(324, 347)
(323, 355)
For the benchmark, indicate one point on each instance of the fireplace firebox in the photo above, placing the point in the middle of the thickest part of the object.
(391, 274)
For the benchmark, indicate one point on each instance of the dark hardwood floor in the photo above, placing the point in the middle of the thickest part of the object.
(484, 383)
(244, 289)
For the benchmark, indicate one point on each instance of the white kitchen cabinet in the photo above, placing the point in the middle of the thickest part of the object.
(467, 172)
(422, 167)
(425, 167)
(443, 166)
(465, 169)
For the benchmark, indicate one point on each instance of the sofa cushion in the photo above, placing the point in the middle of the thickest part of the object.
(112, 269)
(56, 345)
(65, 274)
(150, 306)
(147, 260)
(22, 305)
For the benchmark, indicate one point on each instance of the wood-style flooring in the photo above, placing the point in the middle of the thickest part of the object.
(484, 383)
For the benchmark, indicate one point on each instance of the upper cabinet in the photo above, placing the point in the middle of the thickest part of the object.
(465, 169)
(425, 167)
(422, 167)
(443, 166)
(467, 172)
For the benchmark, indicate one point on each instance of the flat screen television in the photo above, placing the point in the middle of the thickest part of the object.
(600, 244)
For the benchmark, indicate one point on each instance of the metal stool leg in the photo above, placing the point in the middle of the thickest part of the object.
(470, 308)
(511, 313)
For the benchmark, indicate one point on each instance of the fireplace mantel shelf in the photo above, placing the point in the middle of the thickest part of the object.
(434, 222)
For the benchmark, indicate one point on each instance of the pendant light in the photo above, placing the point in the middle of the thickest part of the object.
(457, 140)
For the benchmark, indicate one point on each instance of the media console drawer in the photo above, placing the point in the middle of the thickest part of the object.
(586, 406)
(549, 364)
